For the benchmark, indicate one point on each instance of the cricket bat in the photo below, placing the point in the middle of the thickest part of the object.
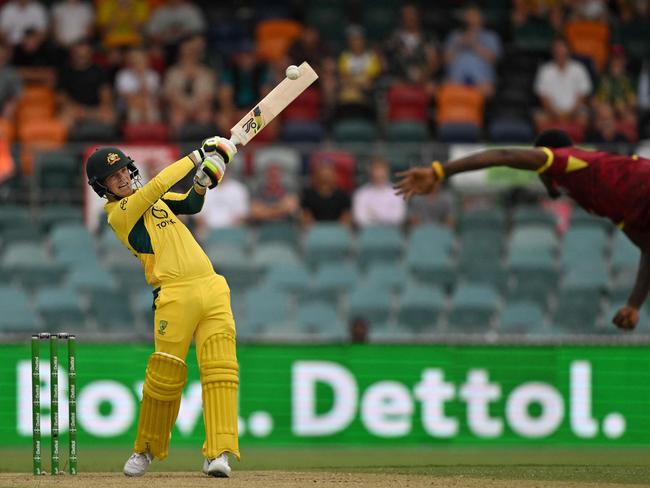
(271, 105)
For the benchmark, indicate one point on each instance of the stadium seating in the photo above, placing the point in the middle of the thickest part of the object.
(61, 309)
(420, 307)
(372, 304)
(473, 308)
(389, 275)
(319, 319)
(288, 278)
(355, 130)
(274, 37)
(379, 244)
(265, 308)
(17, 315)
(30, 265)
(407, 102)
(327, 243)
(521, 317)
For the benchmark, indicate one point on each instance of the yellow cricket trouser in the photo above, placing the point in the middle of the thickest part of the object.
(200, 308)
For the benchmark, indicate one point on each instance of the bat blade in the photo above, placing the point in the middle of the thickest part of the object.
(271, 105)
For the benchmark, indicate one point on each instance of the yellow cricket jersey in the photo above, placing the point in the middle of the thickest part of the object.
(146, 224)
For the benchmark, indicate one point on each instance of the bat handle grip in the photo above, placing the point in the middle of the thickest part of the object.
(235, 140)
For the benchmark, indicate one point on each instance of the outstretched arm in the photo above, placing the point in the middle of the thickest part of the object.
(628, 316)
(417, 181)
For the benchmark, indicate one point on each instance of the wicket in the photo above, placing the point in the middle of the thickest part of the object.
(54, 401)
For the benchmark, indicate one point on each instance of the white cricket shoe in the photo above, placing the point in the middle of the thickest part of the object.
(217, 467)
(137, 464)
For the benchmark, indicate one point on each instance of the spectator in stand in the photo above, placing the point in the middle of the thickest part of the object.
(471, 53)
(411, 56)
(189, 87)
(359, 67)
(227, 207)
(35, 59)
(19, 16)
(526, 11)
(11, 85)
(172, 22)
(138, 87)
(72, 21)
(121, 22)
(433, 208)
(615, 88)
(563, 86)
(605, 129)
(309, 47)
(243, 83)
(324, 201)
(84, 90)
(273, 200)
(375, 203)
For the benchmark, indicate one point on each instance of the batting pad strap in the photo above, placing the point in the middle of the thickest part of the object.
(215, 371)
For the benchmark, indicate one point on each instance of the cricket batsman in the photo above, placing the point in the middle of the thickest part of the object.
(605, 184)
(189, 298)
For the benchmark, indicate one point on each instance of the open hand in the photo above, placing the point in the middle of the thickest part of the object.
(626, 318)
(415, 181)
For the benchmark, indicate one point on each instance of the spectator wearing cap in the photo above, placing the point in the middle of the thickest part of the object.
(411, 56)
(244, 82)
(173, 21)
(615, 88)
(189, 86)
(10, 84)
(138, 88)
(563, 86)
(85, 92)
(274, 200)
(323, 200)
(471, 53)
(358, 67)
(376, 203)
(19, 16)
(72, 21)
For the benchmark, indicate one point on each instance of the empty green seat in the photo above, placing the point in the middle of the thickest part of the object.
(584, 244)
(321, 320)
(58, 172)
(577, 313)
(391, 335)
(76, 257)
(379, 244)
(521, 317)
(275, 253)
(625, 255)
(13, 216)
(401, 157)
(533, 238)
(60, 308)
(235, 265)
(128, 273)
(30, 265)
(52, 215)
(411, 131)
(371, 304)
(143, 307)
(17, 315)
(91, 278)
(71, 236)
(286, 232)
(419, 307)
(332, 279)
(492, 219)
(473, 307)
(354, 130)
(265, 308)
(532, 276)
(111, 309)
(430, 238)
(288, 278)
(534, 216)
(589, 277)
(432, 269)
(327, 243)
(229, 236)
(583, 219)
(390, 275)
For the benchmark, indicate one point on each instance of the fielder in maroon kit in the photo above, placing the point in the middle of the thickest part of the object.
(605, 184)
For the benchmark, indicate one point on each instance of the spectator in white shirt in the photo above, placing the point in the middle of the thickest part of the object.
(562, 85)
(226, 206)
(138, 87)
(19, 16)
(375, 203)
(72, 20)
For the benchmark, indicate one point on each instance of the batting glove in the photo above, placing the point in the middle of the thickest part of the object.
(210, 172)
(221, 146)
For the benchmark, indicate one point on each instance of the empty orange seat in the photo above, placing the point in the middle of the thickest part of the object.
(47, 130)
(274, 37)
(37, 95)
(590, 39)
(34, 111)
(460, 104)
(6, 130)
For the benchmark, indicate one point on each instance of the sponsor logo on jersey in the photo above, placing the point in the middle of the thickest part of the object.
(161, 327)
(123, 203)
(159, 213)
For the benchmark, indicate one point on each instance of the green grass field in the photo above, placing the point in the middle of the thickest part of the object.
(592, 466)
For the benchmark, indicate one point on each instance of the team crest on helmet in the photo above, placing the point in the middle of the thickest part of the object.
(112, 158)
